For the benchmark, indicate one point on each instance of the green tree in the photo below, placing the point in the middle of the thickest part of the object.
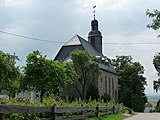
(87, 67)
(131, 82)
(9, 73)
(156, 85)
(156, 63)
(155, 25)
(92, 92)
(156, 19)
(46, 75)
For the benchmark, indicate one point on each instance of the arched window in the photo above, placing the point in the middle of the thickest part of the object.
(112, 87)
(109, 86)
(101, 80)
(106, 84)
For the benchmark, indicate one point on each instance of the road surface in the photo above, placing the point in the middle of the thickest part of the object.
(145, 116)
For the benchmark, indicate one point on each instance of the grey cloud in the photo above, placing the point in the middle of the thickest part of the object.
(59, 20)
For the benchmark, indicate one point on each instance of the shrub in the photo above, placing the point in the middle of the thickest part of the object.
(92, 93)
(106, 97)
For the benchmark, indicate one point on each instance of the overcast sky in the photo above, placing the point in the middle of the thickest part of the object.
(120, 21)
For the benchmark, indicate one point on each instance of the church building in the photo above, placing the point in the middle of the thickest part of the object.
(107, 81)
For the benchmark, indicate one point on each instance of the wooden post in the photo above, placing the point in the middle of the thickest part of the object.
(107, 109)
(118, 108)
(2, 115)
(113, 109)
(53, 112)
(97, 111)
(82, 111)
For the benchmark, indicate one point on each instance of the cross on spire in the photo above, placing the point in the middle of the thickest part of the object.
(94, 11)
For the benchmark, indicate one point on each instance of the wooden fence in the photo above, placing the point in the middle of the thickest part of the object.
(75, 113)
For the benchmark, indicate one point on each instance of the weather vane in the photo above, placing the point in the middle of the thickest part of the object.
(94, 11)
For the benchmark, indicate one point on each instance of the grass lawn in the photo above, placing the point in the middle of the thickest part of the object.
(118, 116)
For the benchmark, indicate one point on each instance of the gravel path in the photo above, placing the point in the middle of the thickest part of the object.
(145, 116)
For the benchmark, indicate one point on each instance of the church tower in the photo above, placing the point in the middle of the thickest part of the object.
(95, 36)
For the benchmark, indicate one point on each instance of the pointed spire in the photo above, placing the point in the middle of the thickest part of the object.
(94, 12)
(95, 36)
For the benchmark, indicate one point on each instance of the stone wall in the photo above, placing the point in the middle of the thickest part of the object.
(108, 83)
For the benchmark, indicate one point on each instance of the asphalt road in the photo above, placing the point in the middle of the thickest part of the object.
(145, 116)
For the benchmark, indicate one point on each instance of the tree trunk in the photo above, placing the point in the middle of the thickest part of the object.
(78, 92)
(41, 96)
(84, 85)
(13, 94)
(84, 89)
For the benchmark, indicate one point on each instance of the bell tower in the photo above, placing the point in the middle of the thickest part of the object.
(95, 36)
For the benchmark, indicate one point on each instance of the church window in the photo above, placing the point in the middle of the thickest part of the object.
(101, 80)
(112, 87)
(116, 94)
(109, 86)
(106, 84)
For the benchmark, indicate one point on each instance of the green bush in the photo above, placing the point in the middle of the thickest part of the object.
(128, 110)
(20, 116)
(50, 101)
(157, 109)
(106, 97)
(92, 93)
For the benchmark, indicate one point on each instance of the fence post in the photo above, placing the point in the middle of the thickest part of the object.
(121, 109)
(107, 110)
(97, 111)
(118, 108)
(113, 109)
(53, 112)
(82, 110)
(2, 115)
